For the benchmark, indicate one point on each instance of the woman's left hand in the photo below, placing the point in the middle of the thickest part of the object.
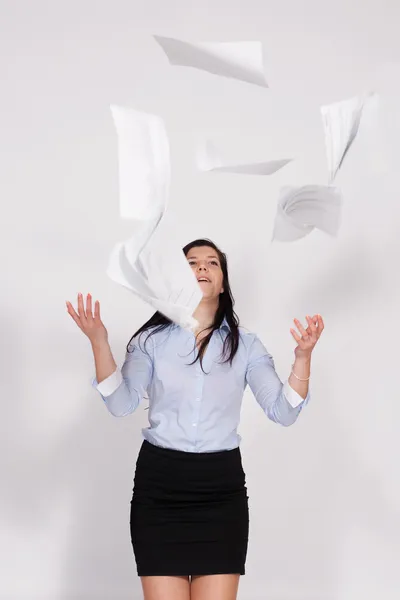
(308, 337)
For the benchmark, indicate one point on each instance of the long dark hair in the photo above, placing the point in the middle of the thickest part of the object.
(158, 322)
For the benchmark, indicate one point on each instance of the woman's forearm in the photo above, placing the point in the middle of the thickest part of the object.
(103, 360)
(301, 367)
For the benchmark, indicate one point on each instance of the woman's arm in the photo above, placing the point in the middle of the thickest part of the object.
(283, 403)
(123, 389)
(302, 368)
(306, 341)
(103, 359)
(279, 401)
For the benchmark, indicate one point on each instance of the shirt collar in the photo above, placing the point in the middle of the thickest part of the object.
(224, 324)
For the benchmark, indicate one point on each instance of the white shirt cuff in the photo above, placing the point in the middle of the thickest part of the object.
(110, 384)
(292, 396)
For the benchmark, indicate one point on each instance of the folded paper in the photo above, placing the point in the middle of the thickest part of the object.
(209, 159)
(302, 209)
(341, 122)
(236, 60)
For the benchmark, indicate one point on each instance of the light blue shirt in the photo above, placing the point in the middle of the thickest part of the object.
(190, 410)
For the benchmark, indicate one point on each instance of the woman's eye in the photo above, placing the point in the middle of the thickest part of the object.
(214, 262)
(191, 262)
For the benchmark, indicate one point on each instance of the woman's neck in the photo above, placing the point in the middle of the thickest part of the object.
(205, 314)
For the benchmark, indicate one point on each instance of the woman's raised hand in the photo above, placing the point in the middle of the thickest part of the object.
(88, 322)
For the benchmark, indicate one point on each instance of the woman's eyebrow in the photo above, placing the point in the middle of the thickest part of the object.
(195, 257)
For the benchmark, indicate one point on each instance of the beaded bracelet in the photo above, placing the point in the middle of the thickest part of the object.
(297, 377)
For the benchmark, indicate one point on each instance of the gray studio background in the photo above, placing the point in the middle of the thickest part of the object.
(324, 494)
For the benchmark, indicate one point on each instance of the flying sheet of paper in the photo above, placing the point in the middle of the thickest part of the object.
(209, 159)
(144, 165)
(236, 60)
(301, 209)
(341, 122)
(161, 276)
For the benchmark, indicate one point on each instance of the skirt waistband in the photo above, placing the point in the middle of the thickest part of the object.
(181, 455)
(165, 473)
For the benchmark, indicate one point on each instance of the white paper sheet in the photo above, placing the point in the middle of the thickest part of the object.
(301, 209)
(144, 164)
(237, 60)
(160, 275)
(341, 122)
(209, 159)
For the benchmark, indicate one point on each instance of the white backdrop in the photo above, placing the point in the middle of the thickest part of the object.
(324, 494)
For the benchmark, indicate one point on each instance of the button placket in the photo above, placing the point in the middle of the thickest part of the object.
(198, 392)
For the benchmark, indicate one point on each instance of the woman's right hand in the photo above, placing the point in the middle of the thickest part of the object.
(91, 324)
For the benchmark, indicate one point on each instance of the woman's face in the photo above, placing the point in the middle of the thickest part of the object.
(206, 265)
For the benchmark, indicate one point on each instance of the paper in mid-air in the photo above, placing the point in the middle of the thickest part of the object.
(341, 122)
(209, 159)
(162, 276)
(144, 164)
(303, 208)
(236, 60)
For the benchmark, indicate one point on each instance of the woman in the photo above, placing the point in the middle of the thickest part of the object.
(189, 511)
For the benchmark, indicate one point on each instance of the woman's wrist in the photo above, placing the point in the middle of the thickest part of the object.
(100, 345)
(301, 368)
(303, 360)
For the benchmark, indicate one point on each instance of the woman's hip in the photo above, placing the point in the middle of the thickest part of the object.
(172, 474)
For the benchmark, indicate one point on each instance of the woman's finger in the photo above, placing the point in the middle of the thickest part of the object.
(97, 310)
(89, 313)
(311, 326)
(295, 335)
(71, 310)
(73, 314)
(81, 309)
(320, 325)
(300, 327)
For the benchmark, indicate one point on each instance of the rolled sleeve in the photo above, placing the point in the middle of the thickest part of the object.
(294, 397)
(123, 390)
(110, 384)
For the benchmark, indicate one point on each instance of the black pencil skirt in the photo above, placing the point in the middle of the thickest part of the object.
(189, 512)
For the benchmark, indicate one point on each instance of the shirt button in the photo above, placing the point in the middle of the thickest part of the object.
(194, 424)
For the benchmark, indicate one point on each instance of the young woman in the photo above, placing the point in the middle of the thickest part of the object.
(189, 513)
